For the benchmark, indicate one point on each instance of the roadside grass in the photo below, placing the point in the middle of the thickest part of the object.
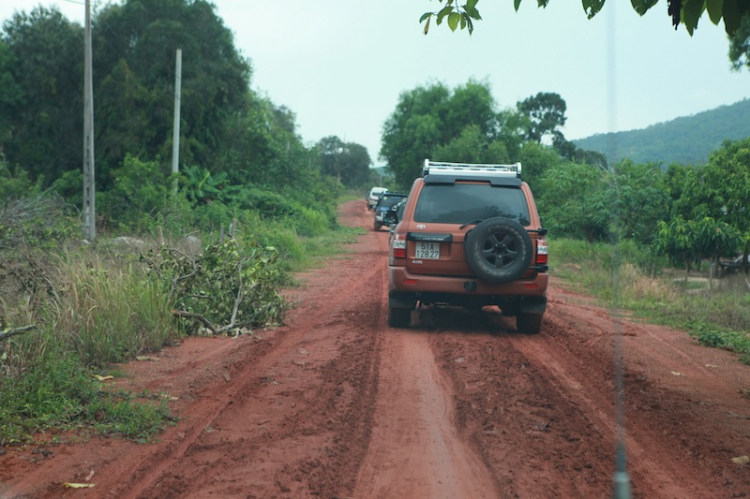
(622, 278)
(92, 310)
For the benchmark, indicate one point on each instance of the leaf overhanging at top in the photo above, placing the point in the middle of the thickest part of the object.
(687, 12)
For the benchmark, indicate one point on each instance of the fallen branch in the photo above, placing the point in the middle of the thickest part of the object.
(199, 317)
(12, 332)
(218, 330)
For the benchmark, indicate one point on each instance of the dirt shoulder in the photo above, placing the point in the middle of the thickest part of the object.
(336, 404)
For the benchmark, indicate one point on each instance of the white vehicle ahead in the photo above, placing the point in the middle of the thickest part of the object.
(374, 196)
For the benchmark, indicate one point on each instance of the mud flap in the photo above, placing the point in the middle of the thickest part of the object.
(402, 299)
(533, 304)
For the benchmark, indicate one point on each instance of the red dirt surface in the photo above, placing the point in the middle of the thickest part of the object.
(336, 404)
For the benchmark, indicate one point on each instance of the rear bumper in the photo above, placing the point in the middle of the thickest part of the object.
(400, 279)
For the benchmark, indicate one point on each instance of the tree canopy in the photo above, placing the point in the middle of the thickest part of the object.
(444, 124)
(685, 12)
(348, 162)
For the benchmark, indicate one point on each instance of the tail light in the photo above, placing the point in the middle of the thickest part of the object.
(541, 252)
(398, 245)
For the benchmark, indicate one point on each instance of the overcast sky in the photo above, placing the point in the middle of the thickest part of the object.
(340, 65)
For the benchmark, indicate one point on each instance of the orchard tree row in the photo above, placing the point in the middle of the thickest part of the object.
(689, 213)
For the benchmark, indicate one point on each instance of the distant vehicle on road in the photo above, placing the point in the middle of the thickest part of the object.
(374, 195)
(385, 203)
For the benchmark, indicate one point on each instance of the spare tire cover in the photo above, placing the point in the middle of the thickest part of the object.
(498, 250)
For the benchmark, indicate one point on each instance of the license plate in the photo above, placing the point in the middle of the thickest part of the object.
(427, 251)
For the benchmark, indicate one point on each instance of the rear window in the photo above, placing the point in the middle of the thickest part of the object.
(389, 201)
(464, 203)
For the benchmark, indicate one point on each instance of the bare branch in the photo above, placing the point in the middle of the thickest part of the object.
(12, 332)
(199, 317)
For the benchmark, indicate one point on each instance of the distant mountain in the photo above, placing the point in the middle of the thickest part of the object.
(686, 140)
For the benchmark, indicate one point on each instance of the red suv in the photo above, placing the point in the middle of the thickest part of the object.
(470, 236)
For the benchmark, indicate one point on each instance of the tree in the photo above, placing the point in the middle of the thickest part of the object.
(134, 58)
(576, 201)
(686, 12)
(348, 162)
(641, 200)
(536, 159)
(687, 241)
(413, 130)
(10, 91)
(43, 54)
(545, 114)
(460, 125)
(739, 45)
(712, 202)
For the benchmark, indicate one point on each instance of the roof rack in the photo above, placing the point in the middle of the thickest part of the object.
(471, 169)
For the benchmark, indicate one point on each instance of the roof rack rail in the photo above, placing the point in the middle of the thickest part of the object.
(471, 169)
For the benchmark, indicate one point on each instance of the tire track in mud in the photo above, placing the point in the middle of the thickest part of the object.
(415, 449)
(535, 442)
(540, 409)
(679, 438)
(573, 385)
(331, 393)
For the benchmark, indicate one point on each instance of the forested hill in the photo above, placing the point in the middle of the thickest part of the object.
(685, 140)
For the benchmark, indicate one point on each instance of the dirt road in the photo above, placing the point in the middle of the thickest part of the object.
(335, 404)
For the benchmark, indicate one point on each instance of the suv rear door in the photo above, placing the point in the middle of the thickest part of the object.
(446, 209)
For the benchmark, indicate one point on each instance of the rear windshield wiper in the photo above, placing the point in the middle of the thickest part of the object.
(473, 222)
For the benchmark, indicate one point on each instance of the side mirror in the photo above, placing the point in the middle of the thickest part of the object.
(390, 217)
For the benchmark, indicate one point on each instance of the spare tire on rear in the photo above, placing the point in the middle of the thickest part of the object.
(498, 250)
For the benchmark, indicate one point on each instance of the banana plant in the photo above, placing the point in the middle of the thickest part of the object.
(203, 187)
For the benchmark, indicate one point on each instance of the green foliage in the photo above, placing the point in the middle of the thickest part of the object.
(41, 221)
(135, 58)
(461, 125)
(60, 393)
(232, 286)
(684, 12)
(15, 183)
(536, 159)
(70, 187)
(710, 209)
(544, 114)
(714, 336)
(687, 140)
(111, 313)
(141, 190)
(348, 162)
(576, 201)
(641, 201)
(739, 45)
(201, 187)
(43, 100)
(612, 274)
(10, 90)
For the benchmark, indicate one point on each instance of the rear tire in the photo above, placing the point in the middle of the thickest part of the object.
(498, 250)
(399, 317)
(377, 226)
(529, 323)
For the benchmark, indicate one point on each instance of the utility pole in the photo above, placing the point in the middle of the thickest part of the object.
(176, 126)
(89, 190)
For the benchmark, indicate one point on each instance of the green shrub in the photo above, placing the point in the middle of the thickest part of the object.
(225, 289)
(141, 190)
(60, 393)
(15, 184)
(43, 221)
